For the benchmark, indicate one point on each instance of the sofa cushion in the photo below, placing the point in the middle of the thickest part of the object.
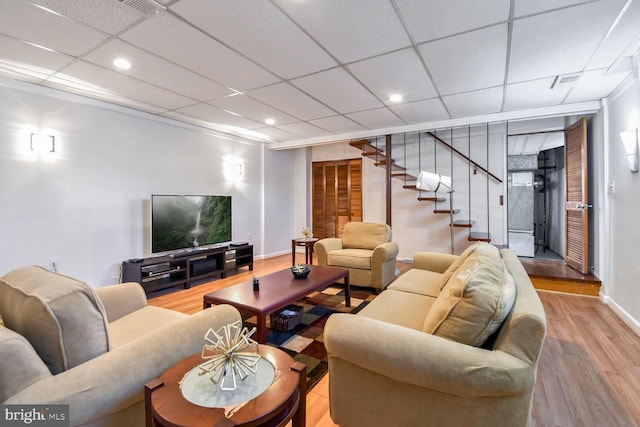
(20, 365)
(458, 262)
(350, 258)
(60, 317)
(400, 308)
(475, 301)
(417, 281)
(365, 235)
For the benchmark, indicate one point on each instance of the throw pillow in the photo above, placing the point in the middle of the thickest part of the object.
(61, 317)
(458, 262)
(475, 301)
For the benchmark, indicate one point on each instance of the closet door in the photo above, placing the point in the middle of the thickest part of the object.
(337, 196)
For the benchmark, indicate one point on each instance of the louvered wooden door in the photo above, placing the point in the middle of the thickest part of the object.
(576, 206)
(337, 196)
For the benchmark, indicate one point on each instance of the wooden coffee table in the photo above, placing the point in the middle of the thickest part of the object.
(277, 290)
(284, 400)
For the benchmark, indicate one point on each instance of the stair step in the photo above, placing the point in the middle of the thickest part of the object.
(410, 187)
(402, 174)
(479, 237)
(445, 211)
(463, 223)
(366, 147)
(431, 199)
(372, 153)
(394, 166)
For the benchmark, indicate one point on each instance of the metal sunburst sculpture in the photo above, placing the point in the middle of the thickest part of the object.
(229, 354)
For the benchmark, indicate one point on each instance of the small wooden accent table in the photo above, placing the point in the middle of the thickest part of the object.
(277, 290)
(308, 249)
(284, 400)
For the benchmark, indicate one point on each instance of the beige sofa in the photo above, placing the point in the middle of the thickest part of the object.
(365, 249)
(454, 341)
(65, 343)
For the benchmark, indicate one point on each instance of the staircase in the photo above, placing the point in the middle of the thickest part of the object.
(399, 170)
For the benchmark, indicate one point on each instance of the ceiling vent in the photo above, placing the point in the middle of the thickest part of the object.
(565, 80)
(145, 7)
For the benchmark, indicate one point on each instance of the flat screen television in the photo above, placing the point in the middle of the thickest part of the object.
(181, 222)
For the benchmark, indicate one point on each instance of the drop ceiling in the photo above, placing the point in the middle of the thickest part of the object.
(322, 69)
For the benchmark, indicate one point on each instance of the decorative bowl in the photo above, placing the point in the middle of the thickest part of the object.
(300, 271)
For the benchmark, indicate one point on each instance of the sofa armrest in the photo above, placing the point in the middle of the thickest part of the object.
(384, 252)
(424, 360)
(122, 299)
(115, 380)
(433, 261)
(323, 246)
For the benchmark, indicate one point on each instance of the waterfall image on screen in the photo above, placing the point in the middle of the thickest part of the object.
(179, 222)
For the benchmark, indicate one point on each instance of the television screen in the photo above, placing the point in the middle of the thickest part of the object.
(180, 222)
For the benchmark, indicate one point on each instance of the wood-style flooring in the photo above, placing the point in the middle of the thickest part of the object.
(589, 371)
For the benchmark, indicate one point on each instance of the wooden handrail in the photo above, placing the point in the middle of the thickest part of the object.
(464, 156)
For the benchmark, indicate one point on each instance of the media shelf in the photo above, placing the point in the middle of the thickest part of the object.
(182, 269)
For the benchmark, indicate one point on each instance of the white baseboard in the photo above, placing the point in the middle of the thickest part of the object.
(622, 314)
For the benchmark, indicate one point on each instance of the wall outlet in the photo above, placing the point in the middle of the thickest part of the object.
(53, 264)
(611, 187)
(249, 236)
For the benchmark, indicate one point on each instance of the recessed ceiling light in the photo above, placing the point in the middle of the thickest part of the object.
(395, 98)
(122, 63)
(270, 122)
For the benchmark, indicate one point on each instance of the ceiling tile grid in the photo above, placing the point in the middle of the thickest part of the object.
(322, 68)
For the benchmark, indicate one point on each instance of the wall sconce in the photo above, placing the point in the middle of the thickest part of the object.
(630, 142)
(42, 143)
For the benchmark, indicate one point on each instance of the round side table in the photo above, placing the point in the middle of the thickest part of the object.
(308, 249)
(283, 401)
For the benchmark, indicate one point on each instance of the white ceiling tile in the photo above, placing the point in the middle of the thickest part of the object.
(276, 134)
(534, 93)
(485, 101)
(171, 38)
(251, 108)
(155, 70)
(337, 124)
(107, 81)
(378, 118)
(619, 39)
(351, 97)
(421, 111)
(350, 30)
(399, 72)
(287, 51)
(528, 7)
(210, 114)
(17, 56)
(108, 16)
(595, 84)
(285, 97)
(440, 18)
(468, 61)
(572, 45)
(47, 29)
(303, 129)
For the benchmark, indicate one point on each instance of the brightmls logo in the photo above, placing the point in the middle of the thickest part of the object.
(34, 415)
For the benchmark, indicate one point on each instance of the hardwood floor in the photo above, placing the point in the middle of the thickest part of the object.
(589, 371)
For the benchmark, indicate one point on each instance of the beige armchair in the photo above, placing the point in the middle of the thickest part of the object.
(365, 249)
(65, 343)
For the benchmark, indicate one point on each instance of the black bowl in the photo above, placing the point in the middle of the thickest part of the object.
(300, 271)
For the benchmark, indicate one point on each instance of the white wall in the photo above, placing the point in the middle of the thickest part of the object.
(87, 204)
(623, 233)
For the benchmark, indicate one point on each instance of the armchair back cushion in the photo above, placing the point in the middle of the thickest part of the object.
(61, 317)
(475, 301)
(365, 235)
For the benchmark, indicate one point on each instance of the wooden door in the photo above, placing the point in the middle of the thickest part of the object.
(336, 196)
(576, 205)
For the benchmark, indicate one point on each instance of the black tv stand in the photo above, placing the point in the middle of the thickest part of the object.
(185, 267)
